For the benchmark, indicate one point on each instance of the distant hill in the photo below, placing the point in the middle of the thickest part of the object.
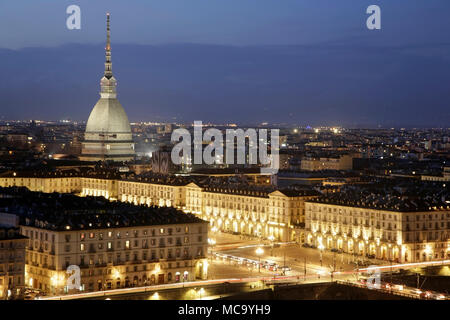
(323, 84)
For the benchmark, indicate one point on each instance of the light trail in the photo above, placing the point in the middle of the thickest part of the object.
(272, 279)
(169, 286)
(406, 265)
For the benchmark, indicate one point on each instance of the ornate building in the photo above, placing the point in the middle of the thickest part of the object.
(12, 262)
(108, 132)
(114, 245)
(402, 233)
(260, 211)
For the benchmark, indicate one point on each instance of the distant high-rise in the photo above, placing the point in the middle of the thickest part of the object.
(108, 133)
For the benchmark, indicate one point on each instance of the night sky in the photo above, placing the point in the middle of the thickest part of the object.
(308, 62)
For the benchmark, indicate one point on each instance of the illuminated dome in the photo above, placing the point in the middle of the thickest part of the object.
(108, 116)
(108, 132)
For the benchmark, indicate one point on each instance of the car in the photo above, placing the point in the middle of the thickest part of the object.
(386, 286)
(438, 296)
(362, 263)
(334, 250)
(423, 294)
(285, 268)
(398, 287)
(273, 267)
(305, 245)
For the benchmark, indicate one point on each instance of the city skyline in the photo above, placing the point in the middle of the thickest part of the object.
(261, 150)
(338, 73)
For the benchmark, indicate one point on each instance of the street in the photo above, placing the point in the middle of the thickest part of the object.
(301, 260)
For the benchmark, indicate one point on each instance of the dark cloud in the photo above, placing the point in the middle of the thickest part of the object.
(339, 83)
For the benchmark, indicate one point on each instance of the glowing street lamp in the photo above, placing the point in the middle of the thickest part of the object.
(321, 247)
(271, 238)
(211, 243)
(259, 251)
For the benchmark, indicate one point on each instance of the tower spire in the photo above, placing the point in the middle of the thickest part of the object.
(108, 64)
(108, 82)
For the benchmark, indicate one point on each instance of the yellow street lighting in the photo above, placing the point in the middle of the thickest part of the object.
(201, 292)
(320, 247)
(155, 296)
(259, 251)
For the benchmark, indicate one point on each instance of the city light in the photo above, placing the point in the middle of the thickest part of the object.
(331, 187)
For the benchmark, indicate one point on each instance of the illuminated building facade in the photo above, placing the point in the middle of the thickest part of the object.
(403, 236)
(342, 162)
(278, 214)
(112, 258)
(254, 211)
(12, 262)
(114, 244)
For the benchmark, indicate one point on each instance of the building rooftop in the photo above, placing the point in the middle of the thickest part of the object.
(55, 211)
(391, 195)
(237, 184)
(10, 233)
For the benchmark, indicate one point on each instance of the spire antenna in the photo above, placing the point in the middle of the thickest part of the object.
(108, 82)
(108, 64)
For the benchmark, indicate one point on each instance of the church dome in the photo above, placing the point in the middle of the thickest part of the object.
(108, 116)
